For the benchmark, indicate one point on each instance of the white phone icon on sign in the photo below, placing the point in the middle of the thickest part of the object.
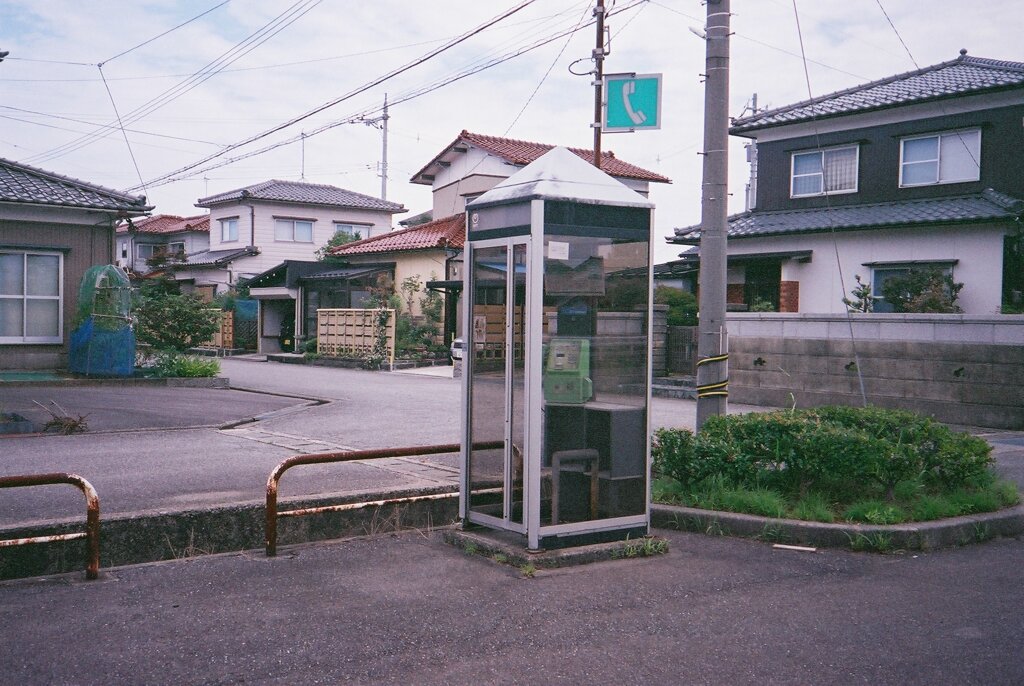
(628, 89)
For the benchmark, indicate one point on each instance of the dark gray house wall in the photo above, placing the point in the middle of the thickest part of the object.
(1002, 160)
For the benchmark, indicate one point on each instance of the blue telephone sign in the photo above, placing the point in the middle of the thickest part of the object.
(632, 102)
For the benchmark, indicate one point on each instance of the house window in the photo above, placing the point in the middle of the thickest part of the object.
(229, 230)
(31, 297)
(881, 274)
(144, 251)
(356, 232)
(177, 248)
(824, 172)
(124, 250)
(298, 230)
(940, 158)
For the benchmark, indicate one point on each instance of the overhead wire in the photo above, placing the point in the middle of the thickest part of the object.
(346, 96)
(239, 50)
(828, 208)
(369, 112)
(161, 35)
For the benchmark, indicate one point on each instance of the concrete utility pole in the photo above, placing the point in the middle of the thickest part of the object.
(384, 154)
(712, 341)
(599, 12)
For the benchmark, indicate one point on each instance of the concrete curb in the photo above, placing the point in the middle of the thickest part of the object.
(918, 536)
(202, 382)
(154, 536)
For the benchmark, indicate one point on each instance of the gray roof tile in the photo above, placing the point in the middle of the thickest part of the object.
(989, 205)
(298, 192)
(962, 76)
(20, 183)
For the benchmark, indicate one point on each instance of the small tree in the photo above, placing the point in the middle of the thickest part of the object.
(167, 319)
(340, 238)
(861, 300)
(682, 305)
(923, 290)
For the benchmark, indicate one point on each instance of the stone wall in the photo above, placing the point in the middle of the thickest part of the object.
(958, 368)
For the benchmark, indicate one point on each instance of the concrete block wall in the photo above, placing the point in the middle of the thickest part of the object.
(958, 369)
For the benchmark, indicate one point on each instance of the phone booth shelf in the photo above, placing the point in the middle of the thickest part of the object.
(557, 321)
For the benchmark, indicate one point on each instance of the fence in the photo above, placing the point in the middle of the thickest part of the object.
(224, 337)
(352, 332)
(681, 350)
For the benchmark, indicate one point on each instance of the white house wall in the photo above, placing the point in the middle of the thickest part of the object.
(978, 250)
(272, 251)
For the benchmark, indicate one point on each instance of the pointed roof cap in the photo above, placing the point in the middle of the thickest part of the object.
(562, 175)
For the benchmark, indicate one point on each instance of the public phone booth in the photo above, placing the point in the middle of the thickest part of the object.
(556, 379)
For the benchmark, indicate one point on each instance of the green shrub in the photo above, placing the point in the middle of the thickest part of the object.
(875, 512)
(309, 346)
(171, 364)
(1007, 492)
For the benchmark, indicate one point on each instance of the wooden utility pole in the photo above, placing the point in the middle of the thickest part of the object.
(599, 12)
(384, 154)
(712, 341)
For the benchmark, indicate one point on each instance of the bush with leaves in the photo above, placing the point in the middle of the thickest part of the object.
(862, 300)
(172, 364)
(170, 320)
(923, 290)
(827, 450)
(682, 305)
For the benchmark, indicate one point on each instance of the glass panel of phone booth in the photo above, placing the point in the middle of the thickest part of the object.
(595, 376)
(497, 346)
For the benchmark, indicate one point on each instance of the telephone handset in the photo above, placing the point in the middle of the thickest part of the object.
(628, 89)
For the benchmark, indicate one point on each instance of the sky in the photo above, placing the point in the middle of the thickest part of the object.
(187, 94)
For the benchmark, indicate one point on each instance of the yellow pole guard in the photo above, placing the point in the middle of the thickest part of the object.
(716, 358)
(712, 394)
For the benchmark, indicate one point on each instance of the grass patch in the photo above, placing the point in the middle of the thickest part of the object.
(813, 507)
(875, 512)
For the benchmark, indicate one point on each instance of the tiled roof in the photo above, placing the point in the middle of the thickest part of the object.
(448, 232)
(215, 258)
(298, 192)
(987, 206)
(20, 183)
(168, 223)
(523, 152)
(955, 78)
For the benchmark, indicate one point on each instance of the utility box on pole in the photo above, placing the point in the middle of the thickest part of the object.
(557, 362)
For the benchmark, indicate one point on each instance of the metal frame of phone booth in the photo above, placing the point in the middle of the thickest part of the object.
(557, 356)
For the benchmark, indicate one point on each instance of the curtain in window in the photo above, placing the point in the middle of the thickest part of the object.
(959, 159)
(840, 170)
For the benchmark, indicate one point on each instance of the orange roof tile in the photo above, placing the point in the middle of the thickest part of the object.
(523, 152)
(168, 223)
(447, 232)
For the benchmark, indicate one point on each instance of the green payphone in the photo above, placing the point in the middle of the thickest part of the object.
(567, 371)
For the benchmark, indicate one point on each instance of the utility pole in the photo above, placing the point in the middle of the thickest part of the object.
(302, 169)
(599, 12)
(712, 340)
(384, 154)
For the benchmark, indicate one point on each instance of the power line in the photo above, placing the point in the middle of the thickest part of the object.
(250, 43)
(147, 42)
(89, 123)
(331, 103)
(127, 143)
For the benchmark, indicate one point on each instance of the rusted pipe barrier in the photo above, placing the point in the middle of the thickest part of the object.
(92, 516)
(346, 456)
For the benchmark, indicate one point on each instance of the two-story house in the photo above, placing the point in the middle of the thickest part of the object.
(141, 240)
(919, 169)
(258, 227)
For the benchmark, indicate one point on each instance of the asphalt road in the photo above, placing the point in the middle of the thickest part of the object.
(142, 457)
(410, 610)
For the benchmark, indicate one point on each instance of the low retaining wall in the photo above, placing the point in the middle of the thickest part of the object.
(959, 369)
(150, 537)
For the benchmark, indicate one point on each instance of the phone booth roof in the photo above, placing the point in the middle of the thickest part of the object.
(561, 175)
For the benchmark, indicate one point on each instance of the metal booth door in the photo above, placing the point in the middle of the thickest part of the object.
(495, 359)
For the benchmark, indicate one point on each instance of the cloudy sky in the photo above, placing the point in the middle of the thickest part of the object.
(248, 66)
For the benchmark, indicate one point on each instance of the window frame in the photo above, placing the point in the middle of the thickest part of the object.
(171, 250)
(354, 230)
(224, 224)
(25, 297)
(939, 136)
(822, 152)
(902, 267)
(153, 250)
(293, 221)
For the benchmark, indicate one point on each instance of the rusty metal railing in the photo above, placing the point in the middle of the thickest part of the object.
(92, 517)
(348, 456)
